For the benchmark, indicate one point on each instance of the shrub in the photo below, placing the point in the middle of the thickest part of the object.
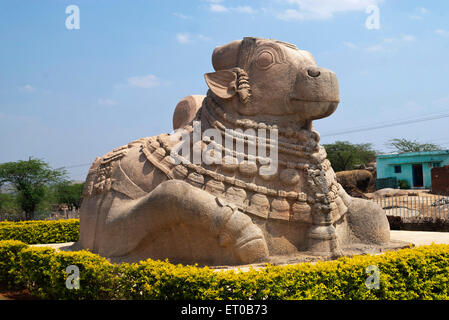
(418, 273)
(44, 274)
(158, 280)
(9, 264)
(35, 232)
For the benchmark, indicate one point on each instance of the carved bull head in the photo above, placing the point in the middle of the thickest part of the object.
(269, 77)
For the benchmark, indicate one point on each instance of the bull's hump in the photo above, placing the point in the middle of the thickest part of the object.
(140, 171)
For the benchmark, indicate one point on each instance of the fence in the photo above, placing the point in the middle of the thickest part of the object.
(432, 206)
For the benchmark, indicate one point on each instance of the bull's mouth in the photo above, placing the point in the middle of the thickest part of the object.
(318, 101)
(313, 109)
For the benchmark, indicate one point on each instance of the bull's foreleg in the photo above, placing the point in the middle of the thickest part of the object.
(177, 203)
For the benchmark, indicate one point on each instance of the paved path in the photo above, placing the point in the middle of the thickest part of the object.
(419, 238)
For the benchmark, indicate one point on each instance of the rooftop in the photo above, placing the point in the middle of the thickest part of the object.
(414, 154)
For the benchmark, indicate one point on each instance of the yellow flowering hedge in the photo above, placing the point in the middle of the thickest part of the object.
(35, 232)
(415, 273)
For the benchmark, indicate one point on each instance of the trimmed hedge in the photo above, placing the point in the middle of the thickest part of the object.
(35, 232)
(9, 261)
(418, 273)
(44, 274)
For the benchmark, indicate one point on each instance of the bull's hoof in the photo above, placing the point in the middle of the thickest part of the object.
(244, 237)
(368, 222)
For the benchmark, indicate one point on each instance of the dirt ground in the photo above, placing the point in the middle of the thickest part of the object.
(6, 294)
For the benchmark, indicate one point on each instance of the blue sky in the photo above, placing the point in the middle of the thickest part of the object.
(67, 96)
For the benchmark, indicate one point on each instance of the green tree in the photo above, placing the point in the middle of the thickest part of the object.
(404, 145)
(8, 205)
(30, 180)
(344, 155)
(69, 193)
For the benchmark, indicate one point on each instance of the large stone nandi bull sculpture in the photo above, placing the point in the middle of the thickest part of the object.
(143, 201)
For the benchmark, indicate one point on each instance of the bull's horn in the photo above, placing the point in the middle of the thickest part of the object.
(226, 57)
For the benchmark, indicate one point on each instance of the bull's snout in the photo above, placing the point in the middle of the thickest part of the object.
(316, 84)
(316, 92)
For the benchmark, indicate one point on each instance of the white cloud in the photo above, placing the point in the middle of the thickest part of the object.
(214, 7)
(181, 16)
(419, 13)
(185, 37)
(423, 10)
(323, 9)
(389, 40)
(407, 38)
(384, 45)
(294, 14)
(442, 32)
(147, 81)
(27, 88)
(415, 17)
(375, 48)
(244, 9)
(350, 45)
(391, 44)
(202, 37)
(106, 102)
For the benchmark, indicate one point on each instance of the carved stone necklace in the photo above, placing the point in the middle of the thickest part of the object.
(302, 135)
(253, 198)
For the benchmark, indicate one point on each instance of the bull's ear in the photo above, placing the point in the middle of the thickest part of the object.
(222, 83)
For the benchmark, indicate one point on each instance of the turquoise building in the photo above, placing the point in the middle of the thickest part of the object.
(413, 167)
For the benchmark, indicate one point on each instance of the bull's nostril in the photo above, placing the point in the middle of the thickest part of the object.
(313, 72)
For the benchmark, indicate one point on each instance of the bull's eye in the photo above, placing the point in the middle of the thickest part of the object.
(265, 59)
